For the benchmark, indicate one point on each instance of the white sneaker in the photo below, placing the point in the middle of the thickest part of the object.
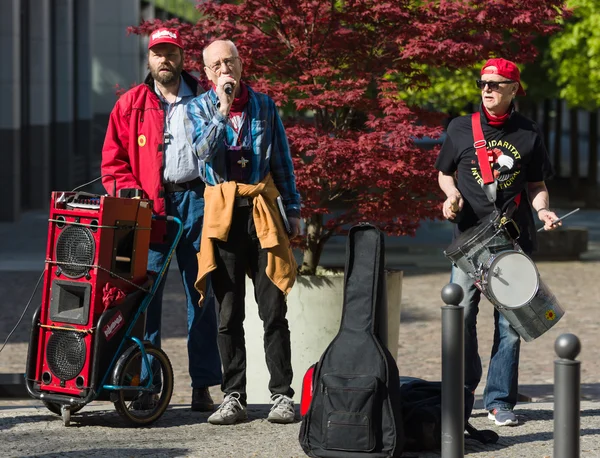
(282, 410)
(229, 412)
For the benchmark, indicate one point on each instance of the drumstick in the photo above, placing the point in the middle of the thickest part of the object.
(560, 219)
(454, 204)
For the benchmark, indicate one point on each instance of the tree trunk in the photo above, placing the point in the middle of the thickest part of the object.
(314, 245)
(593, 159)
(558, 138)
(574, 153)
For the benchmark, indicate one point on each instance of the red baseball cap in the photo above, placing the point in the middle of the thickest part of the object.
(164, 35)
(504, 68)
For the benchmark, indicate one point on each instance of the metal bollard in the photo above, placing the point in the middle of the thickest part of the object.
(453, 373)
(567, 396)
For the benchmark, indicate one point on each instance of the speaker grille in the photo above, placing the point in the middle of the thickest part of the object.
(75, 245)
(65, 353)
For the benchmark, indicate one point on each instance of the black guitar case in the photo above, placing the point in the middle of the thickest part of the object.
(355, 409)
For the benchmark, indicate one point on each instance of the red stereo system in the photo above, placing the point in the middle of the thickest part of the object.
(97, 253)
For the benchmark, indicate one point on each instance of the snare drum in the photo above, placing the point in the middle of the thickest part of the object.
(512, 283)
(472, 250)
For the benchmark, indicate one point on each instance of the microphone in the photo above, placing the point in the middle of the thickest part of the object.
(228, 87)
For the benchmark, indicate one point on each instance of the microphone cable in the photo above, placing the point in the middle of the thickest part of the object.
(24, 311)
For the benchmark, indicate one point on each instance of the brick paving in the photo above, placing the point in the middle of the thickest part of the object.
(577, 288)
(575, 283)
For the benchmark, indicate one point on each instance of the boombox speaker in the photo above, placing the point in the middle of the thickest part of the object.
(96, 257)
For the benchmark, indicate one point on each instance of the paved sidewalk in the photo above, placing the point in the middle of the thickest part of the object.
(27, 429)
(97, 432)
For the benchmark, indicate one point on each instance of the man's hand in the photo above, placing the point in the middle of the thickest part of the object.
(295, 226)
(452, 205)
(225, 99)
(548, 217)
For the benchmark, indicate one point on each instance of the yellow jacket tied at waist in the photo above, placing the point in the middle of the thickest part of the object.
(219, 202)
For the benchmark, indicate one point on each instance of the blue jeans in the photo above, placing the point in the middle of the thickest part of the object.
(501, 388)
(203, 353)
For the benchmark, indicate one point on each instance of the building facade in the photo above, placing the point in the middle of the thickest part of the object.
(66, 59)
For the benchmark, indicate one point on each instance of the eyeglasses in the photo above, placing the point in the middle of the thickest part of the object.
(230, 62)
(493, 85)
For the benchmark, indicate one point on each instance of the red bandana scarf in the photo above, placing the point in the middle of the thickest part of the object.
(496, 121)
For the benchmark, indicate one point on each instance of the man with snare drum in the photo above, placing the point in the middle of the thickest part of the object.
(505, 165)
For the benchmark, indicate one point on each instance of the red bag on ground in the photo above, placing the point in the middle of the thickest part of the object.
(307, 390)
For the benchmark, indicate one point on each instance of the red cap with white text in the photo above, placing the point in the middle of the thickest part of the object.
(164, 35)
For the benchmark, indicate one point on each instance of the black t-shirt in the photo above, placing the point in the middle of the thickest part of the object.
(520, 157)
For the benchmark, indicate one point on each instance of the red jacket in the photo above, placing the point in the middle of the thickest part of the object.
(133, 146)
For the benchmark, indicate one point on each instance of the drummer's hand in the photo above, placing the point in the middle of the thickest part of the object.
(548, 217)
(452, 205)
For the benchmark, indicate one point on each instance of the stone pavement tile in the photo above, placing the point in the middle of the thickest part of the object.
(186, 434)
(574, 283)
(576, 286)
(98, 431)
(533, 437)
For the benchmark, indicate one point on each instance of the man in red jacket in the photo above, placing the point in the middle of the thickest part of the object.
(146, 152)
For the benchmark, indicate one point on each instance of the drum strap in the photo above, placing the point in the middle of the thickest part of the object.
(481, 150)
(508, 211)
(486, 173)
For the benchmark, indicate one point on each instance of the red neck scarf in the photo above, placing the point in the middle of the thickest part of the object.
(240, 102)
(496, 121)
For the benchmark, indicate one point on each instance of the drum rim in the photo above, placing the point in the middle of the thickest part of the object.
(482, 229)
(488, 269)
(482, 225)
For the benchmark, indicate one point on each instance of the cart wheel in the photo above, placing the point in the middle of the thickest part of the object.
(143, 407)
(66, 415)
(56, 408)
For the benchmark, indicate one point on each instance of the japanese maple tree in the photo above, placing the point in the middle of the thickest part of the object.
(336, 67)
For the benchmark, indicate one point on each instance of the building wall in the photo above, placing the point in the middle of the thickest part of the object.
(115, 53)
(115, 62)
(10, 109)
(62, 61)
(35, 159)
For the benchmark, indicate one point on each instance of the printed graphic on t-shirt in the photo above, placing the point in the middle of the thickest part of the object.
(503, 157)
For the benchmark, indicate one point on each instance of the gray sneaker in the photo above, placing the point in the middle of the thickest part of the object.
(229, 412)
(282, 410)
(503, 417)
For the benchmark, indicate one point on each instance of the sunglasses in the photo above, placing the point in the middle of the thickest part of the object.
(493, 85)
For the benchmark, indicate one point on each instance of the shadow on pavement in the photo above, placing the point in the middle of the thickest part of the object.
(103, 452)
(429, 270)
(545, 393)
(548, 436)
(104, 416)
(10, 422)
(413, 315)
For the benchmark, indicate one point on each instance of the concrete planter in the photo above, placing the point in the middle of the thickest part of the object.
(314, 314)
(562, 244)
